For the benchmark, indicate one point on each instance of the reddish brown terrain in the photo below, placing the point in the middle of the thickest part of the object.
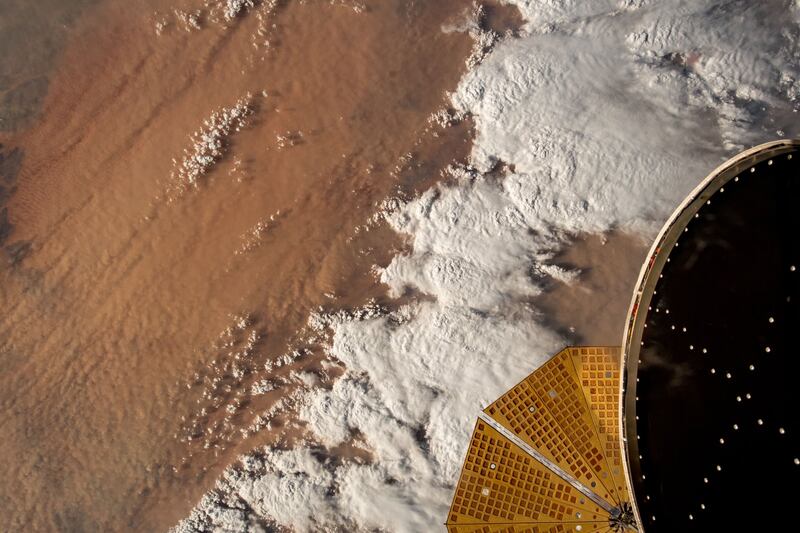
(181, 201)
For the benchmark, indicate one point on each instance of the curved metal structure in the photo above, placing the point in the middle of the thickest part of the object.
(709, 430)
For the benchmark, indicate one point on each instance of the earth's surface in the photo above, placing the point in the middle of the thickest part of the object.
(261, 262)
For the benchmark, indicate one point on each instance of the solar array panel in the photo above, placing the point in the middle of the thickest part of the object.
(552, 462)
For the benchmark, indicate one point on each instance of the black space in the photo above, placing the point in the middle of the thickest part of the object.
(730, 273)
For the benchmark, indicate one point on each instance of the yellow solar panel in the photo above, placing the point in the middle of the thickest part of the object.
(501, 484)
(548, 411)
(582, 527)
(599, 374)
(545, 456)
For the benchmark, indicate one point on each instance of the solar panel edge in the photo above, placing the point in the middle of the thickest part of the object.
(612, 362)
(542, 490)
(580, 472)
(594, 426)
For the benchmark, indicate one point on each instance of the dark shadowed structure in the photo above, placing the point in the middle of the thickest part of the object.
(709, 410)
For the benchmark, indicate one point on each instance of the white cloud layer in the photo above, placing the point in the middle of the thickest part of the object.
(609, 112)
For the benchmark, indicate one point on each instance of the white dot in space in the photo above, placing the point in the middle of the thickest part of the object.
(789, 156)
(705, 351)
(767, 349)
(684, 330)
(752, 367)
(686, 230)
(722, 441)
(719, 468)
(667, 311)
(722, 189)
(792, 268)
(736, 178)
(796, 461)
(753, 169)
(771, 320)
(696, 215)
(643, 477)
(760, 422)
(769, 162)
(782, 431)
(654, 518)
(673, 327)
(691, 346)
(647, 497)
(705, 480)
(702, 506)
(747, 396)
(691, 517)
(713, 371)
(738, 398)
(728, 375)
(736, 426)
(708, 202)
